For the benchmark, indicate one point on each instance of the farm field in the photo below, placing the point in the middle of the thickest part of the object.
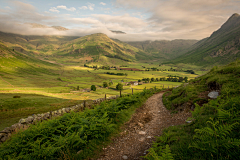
(67, 86)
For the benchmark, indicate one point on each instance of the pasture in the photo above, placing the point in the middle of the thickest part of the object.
(67, 86)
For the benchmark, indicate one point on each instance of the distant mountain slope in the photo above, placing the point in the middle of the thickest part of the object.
(18, 64)
(34, 44)
(164, 49)
(222, 47)
(99, 44)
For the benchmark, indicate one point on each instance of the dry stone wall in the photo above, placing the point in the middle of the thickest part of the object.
(24, 123)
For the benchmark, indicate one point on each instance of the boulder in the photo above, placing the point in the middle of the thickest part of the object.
(213, 94)
(22, 121)
(29, 119)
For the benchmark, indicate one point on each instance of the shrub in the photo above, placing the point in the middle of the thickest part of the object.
(119, 86)
(93, 88)
(105, 84)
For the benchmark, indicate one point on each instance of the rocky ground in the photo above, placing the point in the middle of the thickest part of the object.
(137, 134)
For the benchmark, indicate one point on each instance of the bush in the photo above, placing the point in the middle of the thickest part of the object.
(105, 84)
(93, 88)
(119, 86)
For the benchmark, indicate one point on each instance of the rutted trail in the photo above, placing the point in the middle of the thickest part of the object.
(138, 133)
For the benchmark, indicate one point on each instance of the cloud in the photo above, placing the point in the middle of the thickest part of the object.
(125, 20)
(183, 18)
(54, 9)
(83, 7)
(102, 3)
(90, 6)
(68, 9)
(7, 7)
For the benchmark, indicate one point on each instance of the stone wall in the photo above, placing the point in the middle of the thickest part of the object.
(24, 123)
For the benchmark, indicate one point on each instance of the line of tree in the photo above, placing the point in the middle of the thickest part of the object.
(118, 74)
(170, 78)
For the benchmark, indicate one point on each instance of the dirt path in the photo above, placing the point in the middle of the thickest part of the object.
(138, 133)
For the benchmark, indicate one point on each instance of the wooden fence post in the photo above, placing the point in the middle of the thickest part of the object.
(84, 103)
(168, 87)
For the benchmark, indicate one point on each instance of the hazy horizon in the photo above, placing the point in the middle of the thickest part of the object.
(140, 20)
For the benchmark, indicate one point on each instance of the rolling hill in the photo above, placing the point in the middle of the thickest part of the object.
(163, 49)
(222, 47)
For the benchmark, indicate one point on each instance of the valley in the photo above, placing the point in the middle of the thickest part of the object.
(153, 82)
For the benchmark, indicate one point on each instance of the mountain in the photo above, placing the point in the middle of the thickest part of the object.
(97, 48)
(34, 45)
(99, 44)
(163, 49)
(13, 63)
(222, 47)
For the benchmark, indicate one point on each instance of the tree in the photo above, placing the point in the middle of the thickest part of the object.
(157, 79)
(186, 79)
(119, 86)
(78, 88)
(139, 80)
(152, 79)
(105, 84)
(93, 88)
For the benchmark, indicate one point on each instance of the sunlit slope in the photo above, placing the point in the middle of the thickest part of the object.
(222, 47)
(99, 44)
(14, 65)
(34, 45)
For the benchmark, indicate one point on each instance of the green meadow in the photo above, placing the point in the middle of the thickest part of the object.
(51, 86)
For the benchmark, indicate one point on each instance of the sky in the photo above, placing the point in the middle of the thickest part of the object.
(139, 19)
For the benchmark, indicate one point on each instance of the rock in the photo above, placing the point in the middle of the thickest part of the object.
(67, 110)
(79, 151)
(188, 121)
(140, 124)
(29, 119)
(124, 157)
(3, 139)
(141, 139)
(149, 137)
(142, 132)
(63, 110)
(22, 121)
(213, 94)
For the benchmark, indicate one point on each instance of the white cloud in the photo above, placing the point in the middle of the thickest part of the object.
(90, 6)
(102, 3)
(7, 7)
(83, 7)
(54, 9)
(68, 9)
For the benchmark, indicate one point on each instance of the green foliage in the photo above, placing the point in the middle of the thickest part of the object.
(214, 130)
(105, 84)
(119, 86)
(73, 132)
(93, 88)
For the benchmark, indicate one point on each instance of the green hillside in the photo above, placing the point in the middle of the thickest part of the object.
(214, 130)
(163, 49)
(222, 47)
(97, 45)
(34, 45)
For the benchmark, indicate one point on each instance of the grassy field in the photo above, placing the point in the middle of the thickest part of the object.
(45, 86)
(45, 92)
